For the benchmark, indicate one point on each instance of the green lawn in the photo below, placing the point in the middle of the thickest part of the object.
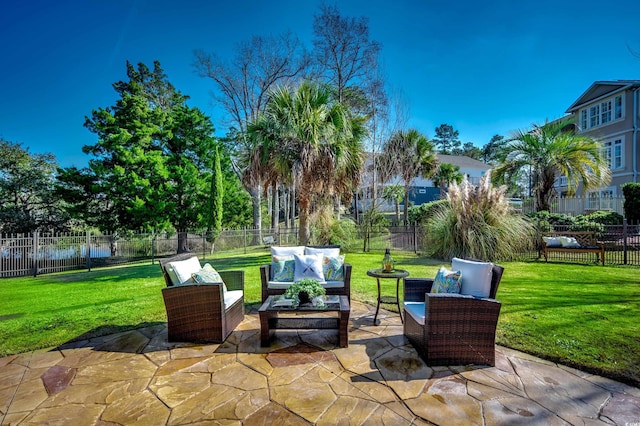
(579, 315)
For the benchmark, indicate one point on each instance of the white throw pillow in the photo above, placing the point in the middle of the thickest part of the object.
(552, 241)
(327, 251)
(287, 251)
(172, 274)
(184, 268)
(308, 266)
(476, 276)
(569, 242)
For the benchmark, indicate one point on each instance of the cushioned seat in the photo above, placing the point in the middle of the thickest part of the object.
(453, 328)
(292, 263)
(201, 311)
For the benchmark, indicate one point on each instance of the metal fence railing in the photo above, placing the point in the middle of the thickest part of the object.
(34, 254)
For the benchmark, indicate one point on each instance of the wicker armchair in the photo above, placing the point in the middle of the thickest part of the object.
(197, 312)
(458, 329)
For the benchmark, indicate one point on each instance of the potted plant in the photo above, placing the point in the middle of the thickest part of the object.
(305, 290)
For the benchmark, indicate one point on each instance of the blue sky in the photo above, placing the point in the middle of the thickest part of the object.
(486, 68)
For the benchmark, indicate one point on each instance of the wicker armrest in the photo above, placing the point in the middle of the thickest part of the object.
(415, 289)
(347, 279)
(234, 280)
(445, 310)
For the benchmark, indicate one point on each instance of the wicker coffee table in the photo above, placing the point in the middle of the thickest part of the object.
(275, 314)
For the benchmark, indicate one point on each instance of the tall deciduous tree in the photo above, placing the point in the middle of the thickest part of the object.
(27, 202)
(412, 155)
(446, 139)
(552, 150)
(151, 165)
(311, 141)
(344, 53)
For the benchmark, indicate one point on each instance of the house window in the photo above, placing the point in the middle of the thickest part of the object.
(605, 112)
(584, 124)
(613, 152)
(618, 107)
(563, 181)
(602, 113)
(594, 116)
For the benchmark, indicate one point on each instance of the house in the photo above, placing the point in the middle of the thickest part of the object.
(422, 190)
(610, 112)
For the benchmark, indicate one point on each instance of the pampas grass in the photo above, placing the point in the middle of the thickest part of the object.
(478, 223)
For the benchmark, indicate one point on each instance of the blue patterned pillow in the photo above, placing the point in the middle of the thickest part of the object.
(208, 275)
(332, 268)
(447, 281)
(282, 268)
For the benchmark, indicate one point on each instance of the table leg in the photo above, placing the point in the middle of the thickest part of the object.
(375, 317)
(265, 333)
(398, 299)
(343, 329)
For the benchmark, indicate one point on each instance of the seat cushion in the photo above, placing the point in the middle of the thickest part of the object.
(416, 310)
(476, 276)
(232, 296)
(183, 270)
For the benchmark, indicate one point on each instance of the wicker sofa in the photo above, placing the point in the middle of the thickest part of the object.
(202, 312)
(271, 287)
(452, 329)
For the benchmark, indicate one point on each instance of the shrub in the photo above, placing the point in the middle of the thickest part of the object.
(631, 191)
(326, 229)
(421, 214)
(478, 222)
(605, 217)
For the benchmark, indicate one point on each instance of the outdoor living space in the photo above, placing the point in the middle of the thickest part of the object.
(137, 377)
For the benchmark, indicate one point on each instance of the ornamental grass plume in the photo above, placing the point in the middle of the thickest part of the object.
(478, 223)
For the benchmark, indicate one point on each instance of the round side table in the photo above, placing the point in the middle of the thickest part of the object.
(378, 274)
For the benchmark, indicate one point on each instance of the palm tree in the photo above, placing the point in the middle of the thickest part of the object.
(445, 175)
(307, 139)
(411, 155)
(394, 194)
(551, 150)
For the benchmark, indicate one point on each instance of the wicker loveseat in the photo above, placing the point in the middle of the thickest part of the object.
(452, 329)
(204, 312)
(271, 286)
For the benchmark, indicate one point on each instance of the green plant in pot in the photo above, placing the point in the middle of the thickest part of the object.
(305, 290)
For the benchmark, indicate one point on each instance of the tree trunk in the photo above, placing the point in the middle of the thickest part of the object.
(305, 210)
(257, 214)
(406, 205)
(285, 206)
(275, 208)
(183, 246)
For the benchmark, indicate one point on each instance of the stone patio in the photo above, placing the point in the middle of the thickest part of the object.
(136, 377)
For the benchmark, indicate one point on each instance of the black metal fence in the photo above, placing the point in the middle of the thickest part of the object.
(22, 255)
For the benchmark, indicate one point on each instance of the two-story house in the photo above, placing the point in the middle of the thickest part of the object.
(610, 112)
(422, 190)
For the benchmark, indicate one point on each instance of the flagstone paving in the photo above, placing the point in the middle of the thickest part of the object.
(137, 377)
